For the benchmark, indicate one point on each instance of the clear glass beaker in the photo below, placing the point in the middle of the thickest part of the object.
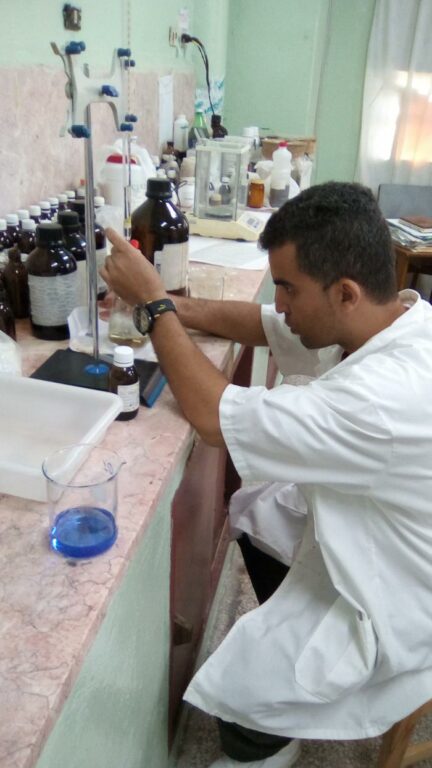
(82, 499)
(121, 327)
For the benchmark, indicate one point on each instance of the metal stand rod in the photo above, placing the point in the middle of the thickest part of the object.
(92, 270)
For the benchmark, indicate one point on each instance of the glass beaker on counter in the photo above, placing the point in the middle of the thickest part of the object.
(82, 499)
(121, 327)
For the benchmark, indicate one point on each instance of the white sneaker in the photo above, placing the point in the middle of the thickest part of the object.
(282, 759)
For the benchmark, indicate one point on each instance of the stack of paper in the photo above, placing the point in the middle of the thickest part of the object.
(410, 233)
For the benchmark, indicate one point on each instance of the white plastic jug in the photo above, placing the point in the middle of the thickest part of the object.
(181, 131)
(280, 175)
(111, 181)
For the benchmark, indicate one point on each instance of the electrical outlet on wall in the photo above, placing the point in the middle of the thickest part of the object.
(175, 32)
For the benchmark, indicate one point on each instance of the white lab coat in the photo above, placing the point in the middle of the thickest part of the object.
(343, 649)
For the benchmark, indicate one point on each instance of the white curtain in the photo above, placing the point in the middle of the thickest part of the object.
(396, 134)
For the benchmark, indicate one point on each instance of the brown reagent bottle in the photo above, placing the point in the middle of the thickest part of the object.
(16, 281)
(123, 380)
(53, 283)
(162, 232)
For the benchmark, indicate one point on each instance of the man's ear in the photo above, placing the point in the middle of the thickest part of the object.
(348, 293)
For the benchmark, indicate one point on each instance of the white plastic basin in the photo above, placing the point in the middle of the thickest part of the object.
(39, 417)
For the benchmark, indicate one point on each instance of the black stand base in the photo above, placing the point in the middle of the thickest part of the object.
(75, 368)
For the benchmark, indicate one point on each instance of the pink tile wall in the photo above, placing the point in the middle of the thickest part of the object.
(34, 160)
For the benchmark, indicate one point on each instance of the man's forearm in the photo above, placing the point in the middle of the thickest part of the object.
(195, 382)
(239, 321)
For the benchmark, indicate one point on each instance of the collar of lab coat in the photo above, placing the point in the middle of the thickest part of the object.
(418, 312)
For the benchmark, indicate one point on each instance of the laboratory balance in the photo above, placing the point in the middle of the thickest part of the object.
(221, 192)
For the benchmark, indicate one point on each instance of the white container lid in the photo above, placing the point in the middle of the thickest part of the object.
(99, 200)
(22, 213)
(53, 200)
(70, 194)
(62, 198)
(44, 204)
(2, 225)
(28, 225)
(12, 219)
(35, 210)
(123, 356)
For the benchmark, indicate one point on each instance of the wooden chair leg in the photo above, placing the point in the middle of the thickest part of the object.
(395, 743)
(395, 751)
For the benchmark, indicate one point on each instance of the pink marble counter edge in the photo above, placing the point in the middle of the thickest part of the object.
(48, 615)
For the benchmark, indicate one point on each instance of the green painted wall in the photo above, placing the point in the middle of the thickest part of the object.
(340, 101)
(297, 68)
(104, 27)
(274, 55)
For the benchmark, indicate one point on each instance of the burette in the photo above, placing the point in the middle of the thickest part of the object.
(126, 139)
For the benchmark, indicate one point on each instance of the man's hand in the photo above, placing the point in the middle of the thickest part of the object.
(129, 273)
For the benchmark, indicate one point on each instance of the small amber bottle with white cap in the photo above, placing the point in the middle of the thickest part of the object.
(123, 380)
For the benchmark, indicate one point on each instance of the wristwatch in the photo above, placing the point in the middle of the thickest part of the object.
(145, 315)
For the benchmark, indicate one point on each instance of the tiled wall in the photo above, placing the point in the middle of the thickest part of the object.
(34, 160)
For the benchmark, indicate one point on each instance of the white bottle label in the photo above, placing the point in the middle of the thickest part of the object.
(52, 299)
(172, 264)
(129, 394)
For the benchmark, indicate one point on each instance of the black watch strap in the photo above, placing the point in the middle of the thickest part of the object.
(157, 308)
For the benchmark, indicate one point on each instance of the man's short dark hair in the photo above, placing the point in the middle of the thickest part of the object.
(338, 231)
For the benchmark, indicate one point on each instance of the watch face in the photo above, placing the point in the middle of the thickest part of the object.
(142, 319)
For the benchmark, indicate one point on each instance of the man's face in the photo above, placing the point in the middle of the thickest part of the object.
(308, 308)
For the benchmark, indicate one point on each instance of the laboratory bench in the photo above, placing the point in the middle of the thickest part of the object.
(95, 654)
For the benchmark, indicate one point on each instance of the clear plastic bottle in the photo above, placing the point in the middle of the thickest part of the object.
(16, 282)
(76, 245)
(123, 380)
(181, 130)
(53, 283)
(162, 232)
(225, 191)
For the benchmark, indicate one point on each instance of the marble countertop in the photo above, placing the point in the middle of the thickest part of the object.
(51, 608)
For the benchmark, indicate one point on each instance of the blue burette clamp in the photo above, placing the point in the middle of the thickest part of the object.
(83, 90)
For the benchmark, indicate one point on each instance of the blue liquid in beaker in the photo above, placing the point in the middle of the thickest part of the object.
(83, 531)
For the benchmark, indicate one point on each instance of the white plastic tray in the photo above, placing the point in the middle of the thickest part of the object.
(39, 417)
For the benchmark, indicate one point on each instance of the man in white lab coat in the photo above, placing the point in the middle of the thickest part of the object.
(342, 648)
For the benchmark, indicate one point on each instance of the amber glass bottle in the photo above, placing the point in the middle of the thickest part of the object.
(76, 245)
(53, 283)
(7, 321)
(16, 282)
(100, 241)
(162, 232)
(124, 381)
